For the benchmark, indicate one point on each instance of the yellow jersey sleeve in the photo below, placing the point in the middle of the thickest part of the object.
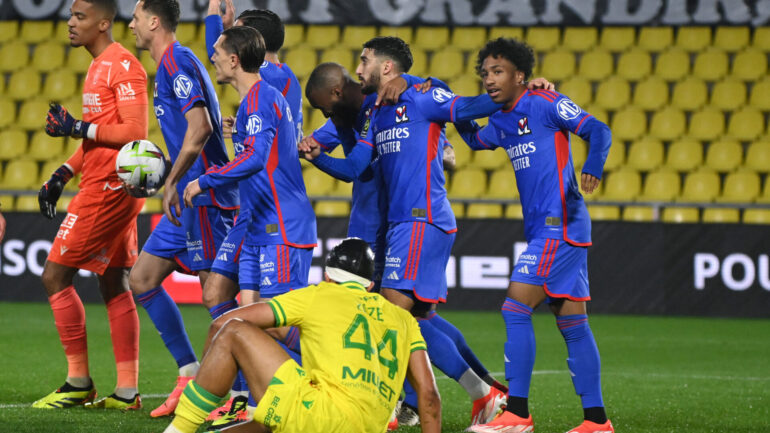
(416, 342)
(291, 308)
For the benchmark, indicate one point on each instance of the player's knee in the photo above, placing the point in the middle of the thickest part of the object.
(139, 282)
(53, 281)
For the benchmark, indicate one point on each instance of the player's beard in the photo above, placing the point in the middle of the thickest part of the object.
(370, 86)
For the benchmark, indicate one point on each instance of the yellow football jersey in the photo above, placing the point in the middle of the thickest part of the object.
(355, 339)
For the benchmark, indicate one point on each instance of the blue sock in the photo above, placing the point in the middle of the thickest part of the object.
(459, 340)
(224, 307)
(292, 340)
(240, 383)
(583, 358)
(167, 319)
(519, 348)
(442, 351)
(410, 395)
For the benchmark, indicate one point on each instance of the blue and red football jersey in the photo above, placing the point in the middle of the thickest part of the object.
(181, 83)
(268, 171)
(535, 135)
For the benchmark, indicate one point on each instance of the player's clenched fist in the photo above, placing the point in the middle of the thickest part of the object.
(309, 148)
(60, 123)
(51, 191)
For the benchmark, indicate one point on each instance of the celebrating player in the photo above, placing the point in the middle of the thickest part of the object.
(187, 109)
(99, 232)
(533, 127)
(357, 349)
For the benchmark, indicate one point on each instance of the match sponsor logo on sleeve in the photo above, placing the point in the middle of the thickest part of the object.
(441, 95)
(253, 124)
(567, 109)
(182, 86)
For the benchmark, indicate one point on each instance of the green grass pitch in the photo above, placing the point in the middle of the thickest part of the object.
(659, 374)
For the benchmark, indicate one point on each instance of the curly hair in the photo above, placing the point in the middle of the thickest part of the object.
(393, 48)
(515, 51)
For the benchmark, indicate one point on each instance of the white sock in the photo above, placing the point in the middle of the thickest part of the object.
(190, 369)
(234, 393)
(79, 382)
(127, 393)
(473, 385)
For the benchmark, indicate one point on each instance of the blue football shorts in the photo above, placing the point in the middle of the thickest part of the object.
(194, 244)
(561, 268)
(273, 269)
(416, 255)
(228, 254)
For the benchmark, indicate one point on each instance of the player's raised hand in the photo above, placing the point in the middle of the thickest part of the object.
(540, 83)
(60, 123)
(171, 207)
(391, 91)
(227, 126)
(51, 191)
(191, 190)
(588, 182)
(228, 18)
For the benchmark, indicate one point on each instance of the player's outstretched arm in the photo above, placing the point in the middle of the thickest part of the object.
(258, 314)
(420, 375)
(217, 22)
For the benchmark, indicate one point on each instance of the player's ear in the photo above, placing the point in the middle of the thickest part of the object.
(104, 25)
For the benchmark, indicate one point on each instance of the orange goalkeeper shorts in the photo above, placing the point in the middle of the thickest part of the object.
(98, 232)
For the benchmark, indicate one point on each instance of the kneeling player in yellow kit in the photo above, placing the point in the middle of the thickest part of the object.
(356, 350)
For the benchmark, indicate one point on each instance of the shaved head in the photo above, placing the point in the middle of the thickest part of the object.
(332, 90)
(326, 76)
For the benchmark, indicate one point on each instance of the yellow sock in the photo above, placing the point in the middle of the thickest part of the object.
(194, 406)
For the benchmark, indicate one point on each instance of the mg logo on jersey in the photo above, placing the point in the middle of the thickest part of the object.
(442, 95)
(567, 109)
(401, 114)
(524, 126)
(182, 86)
(253, 124)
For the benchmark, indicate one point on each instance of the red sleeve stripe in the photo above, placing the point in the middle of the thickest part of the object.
(452, 109)
(577, 128)
(543, 95)
(190, 102)
(482, 141)
(286, 89)
(366, 142)
(277, 110)
(550, 92)
(171, 57)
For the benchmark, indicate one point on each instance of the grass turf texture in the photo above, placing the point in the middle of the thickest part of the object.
(659, 374)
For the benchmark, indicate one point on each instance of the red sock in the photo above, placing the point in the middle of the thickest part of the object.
(124, 330)
(70, 318)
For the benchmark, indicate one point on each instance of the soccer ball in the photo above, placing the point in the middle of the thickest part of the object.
(141, 164)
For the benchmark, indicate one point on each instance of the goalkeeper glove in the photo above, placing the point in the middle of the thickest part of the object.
(60, 123)
(51, 191)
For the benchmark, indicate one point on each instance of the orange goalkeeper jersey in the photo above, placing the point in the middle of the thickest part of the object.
(115, 99)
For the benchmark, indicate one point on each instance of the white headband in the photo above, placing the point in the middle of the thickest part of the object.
(341, 276)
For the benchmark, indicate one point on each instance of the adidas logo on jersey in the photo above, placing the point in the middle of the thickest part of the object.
(222, 257)
(197, 258)
(524, 270)
(393, 276)
(266, 281)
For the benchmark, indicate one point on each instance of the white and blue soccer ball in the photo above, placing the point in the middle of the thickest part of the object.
(141, 164)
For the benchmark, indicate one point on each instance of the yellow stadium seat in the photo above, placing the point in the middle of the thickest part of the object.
(48, 56)
(302, 61)
(651, 94)
(667, 124)
(343, 189)
(60, 84)
(579, 150)
(32, 114)
(329, 208)
(24, 83)
(490, 159)
(639, 214)
(707, 124)
(2, 86)
(746, 124)
(468, 183)
(502, 184)
(613, 94)
(63, 203)
(144, 58)
(343, 56)
(317, 183)
(765, 197)
(119, 29)
(603, 212)
(20, 174)
(622, 185)
(78, 60)
(757, 156)
(558, 65)
(710, 64)
(634, 65)
(740, 187)
(294, 34)
(761, 39)
(7, 112)
(403, 32)
(514, 212)
(320, 37)
(431, 38)
(724, 155)
(44, 147)
(33, 32)
(465, 85)
(48, 168)
(655, 38)
(229, 96)
(27, 203)
(353, 37)
(681, 215)
(13, 144)
(662, 185)
(693, 38)
(7, 202)
(74, 104)
(578, 89)
(13, 55)
(617, 39)
(458, 209)
(506, 32)
(728, 95)
(629, 123)
(314, 120)
(186, 33)
(731, 38)
(446, 64)
(152, 205)
(749, 65)
(700, 186)
(721, 215)
(484, 210)
(462, 152)
(684, 155)
(8, 30)
(596, 65)
(756, 216)
(760, 95)
(543, 38)
(420, 63)
(645, 154)
(673, 64)
(598, 112)
(579, 38)
(469, 38)
(689, 94)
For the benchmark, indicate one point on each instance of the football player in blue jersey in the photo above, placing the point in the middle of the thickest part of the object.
(187, 110)
(533, 127)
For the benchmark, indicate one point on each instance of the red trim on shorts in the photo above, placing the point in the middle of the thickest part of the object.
(429, 301)
(571, 298)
